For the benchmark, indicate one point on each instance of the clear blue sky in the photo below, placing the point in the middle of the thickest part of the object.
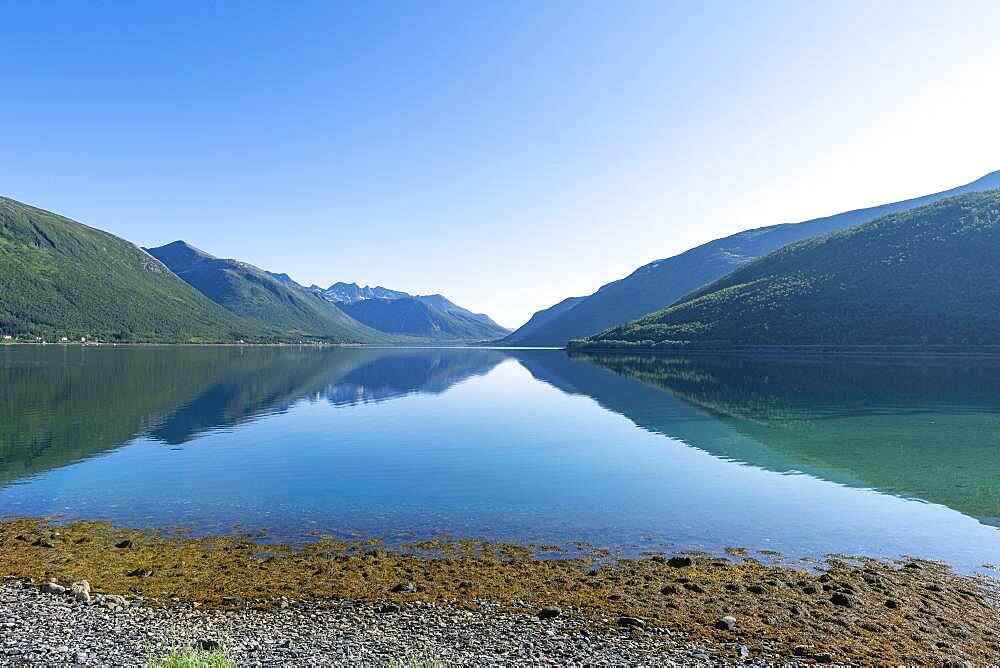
(508, 154)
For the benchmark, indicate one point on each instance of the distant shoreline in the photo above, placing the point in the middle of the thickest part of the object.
(804, 350)
(135, 344)
(777, 352)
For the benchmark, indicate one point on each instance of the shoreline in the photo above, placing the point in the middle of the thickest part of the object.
(853, 610)
(303, 344)
(804, 352)
(799, 351)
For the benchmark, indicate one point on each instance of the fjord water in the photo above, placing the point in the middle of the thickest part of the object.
(632, 453)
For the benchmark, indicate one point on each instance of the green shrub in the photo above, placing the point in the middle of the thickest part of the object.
(194, 658)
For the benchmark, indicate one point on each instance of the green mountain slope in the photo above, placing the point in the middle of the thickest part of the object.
(927, 276)
(256, 294)
(59, 278)
(660, 283)
(526, 333)
(412, 316)
(444, 304)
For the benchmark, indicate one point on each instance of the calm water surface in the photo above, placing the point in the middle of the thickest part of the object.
(626, 452)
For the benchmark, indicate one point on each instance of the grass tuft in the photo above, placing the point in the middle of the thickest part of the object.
(418, 661)
(193, 658)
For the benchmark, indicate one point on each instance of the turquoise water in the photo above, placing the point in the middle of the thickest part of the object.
(625, 452)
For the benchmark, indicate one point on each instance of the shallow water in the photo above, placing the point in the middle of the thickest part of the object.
(885, 458)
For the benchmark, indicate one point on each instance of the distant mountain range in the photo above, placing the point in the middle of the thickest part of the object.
(62, 280)
(349, 293)
(661, 283)
(424, 316)
(870, 276)
(928, 276)
(344, 311)
(259, 295)
(415, 317)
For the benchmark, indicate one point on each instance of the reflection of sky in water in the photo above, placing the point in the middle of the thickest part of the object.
(497, 456)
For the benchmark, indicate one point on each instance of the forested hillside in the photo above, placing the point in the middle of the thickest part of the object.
(61, 278)
(660, 283)
(927, 276)
(258, 295)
